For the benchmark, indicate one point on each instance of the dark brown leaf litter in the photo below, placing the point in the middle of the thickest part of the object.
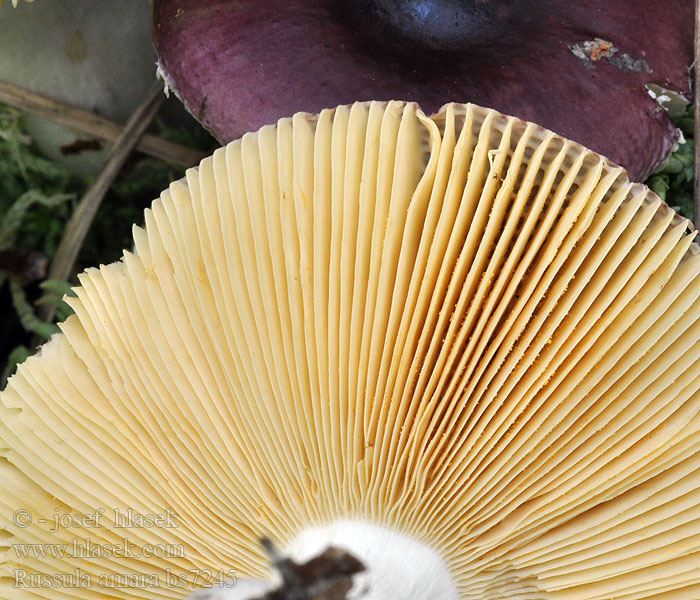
(80, 145)
(25, 265)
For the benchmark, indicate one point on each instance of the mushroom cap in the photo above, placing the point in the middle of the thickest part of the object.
(463, 329)
(82, 54)
(73, 51)
(580, 69)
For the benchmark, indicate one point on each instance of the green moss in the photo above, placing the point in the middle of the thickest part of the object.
(37, 198)
(674, 181)
(23, 172)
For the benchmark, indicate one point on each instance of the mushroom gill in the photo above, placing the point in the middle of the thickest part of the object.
(460, 342)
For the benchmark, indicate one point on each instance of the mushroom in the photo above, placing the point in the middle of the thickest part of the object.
(578, 68)
(90, 58)
(460, 348)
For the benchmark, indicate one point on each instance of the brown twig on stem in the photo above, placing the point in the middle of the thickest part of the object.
(94, 125)
(696, 105)
(81, 219)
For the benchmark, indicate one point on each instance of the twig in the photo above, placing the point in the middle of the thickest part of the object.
(79, 223)
(94, 125)
(696, 105)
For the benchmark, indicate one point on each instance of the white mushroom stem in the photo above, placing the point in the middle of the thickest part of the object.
(396, 565)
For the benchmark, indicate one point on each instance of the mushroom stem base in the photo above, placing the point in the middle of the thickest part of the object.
(397, 566)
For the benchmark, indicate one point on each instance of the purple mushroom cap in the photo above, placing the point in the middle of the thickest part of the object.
(580, 69)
